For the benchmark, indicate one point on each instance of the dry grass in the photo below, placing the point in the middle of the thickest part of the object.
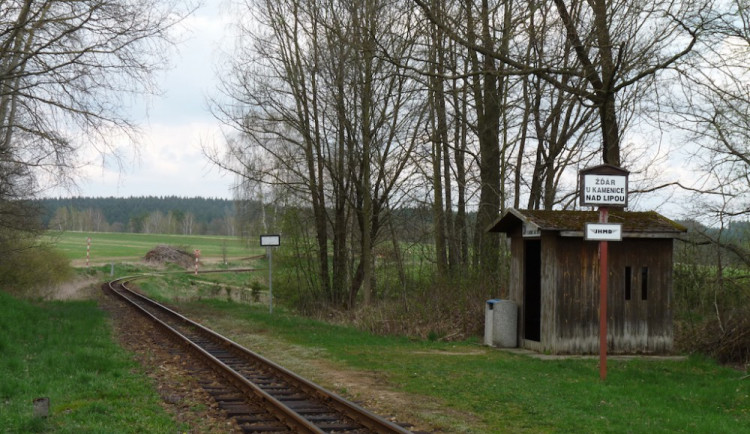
(447, 314)
(725, 339)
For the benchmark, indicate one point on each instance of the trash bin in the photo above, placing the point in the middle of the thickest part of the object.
(489, 309)
(500, 323)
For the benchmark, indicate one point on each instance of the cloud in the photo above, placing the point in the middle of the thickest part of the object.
(168, 160)
(170, 163)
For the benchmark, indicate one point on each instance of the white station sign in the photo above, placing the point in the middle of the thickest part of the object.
(270, 240)
(605, 190)
(603, 232)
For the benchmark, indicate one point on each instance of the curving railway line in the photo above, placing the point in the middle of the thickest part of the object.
(261, 396)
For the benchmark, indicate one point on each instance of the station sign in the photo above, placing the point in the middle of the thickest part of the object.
(605, 190)
(603, 232)
(270, 240)
(604, 185)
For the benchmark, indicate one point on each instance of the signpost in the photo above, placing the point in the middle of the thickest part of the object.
(270, 241)
(603, 186)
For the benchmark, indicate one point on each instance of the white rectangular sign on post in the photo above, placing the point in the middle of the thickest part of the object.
(603, 190)
(603, 232)
(270, 240)
(530, 230)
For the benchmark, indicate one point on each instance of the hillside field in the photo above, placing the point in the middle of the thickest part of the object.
(108, 247)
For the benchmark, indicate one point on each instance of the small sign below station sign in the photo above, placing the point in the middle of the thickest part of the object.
(603, 232)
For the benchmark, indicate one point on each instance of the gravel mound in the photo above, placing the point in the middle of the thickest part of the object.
(164, 254)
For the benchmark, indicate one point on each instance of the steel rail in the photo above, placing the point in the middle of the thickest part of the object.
(283, 413)
(297, 422)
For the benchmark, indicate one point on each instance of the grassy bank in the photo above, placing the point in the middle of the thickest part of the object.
(498, 391)
(64, 351)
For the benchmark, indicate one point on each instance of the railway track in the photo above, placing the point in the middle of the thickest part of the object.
(261, 396)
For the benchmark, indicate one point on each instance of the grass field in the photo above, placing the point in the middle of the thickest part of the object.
(451, 386)
(481, 390)
(107, 247)
(64, 351)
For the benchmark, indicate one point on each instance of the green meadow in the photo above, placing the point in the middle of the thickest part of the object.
(106, 247)
(467, 387)
(64, 350)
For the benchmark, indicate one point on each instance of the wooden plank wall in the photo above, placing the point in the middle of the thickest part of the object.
(638, 325)
(577, 292)
(570, 295)
(635, 325)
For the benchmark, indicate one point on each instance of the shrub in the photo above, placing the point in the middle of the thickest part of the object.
(712, 313)
(255, 289)
(31, 267)
(448, 310)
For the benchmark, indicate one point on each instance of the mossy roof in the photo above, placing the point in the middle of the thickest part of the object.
(633, 222)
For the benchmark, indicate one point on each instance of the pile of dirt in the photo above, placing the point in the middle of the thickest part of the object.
(164, 254)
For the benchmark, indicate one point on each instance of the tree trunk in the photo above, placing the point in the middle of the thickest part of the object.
(366, 26)
(601, 81)
(460, 134)
(439, 141)
(488, 102)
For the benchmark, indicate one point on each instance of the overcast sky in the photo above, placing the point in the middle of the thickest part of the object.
(169, 161)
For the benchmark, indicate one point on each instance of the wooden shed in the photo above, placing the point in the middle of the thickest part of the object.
(554, 279)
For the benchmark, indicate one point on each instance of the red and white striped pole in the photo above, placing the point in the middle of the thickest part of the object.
(88, 251)
(197, 255)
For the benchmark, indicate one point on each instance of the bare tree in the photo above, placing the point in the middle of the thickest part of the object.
(710, 104)
(65, 70)
(322, 116)
(619, 47)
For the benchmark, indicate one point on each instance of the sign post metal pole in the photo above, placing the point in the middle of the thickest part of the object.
(603, 267)
(270, 241)
(270, 279)
(603, 186)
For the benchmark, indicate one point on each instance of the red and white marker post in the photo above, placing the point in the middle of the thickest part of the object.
(88, 251)
(197, 255)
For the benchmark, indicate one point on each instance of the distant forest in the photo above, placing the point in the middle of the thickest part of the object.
(201, 216)
(147, 214)
(210, 216)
